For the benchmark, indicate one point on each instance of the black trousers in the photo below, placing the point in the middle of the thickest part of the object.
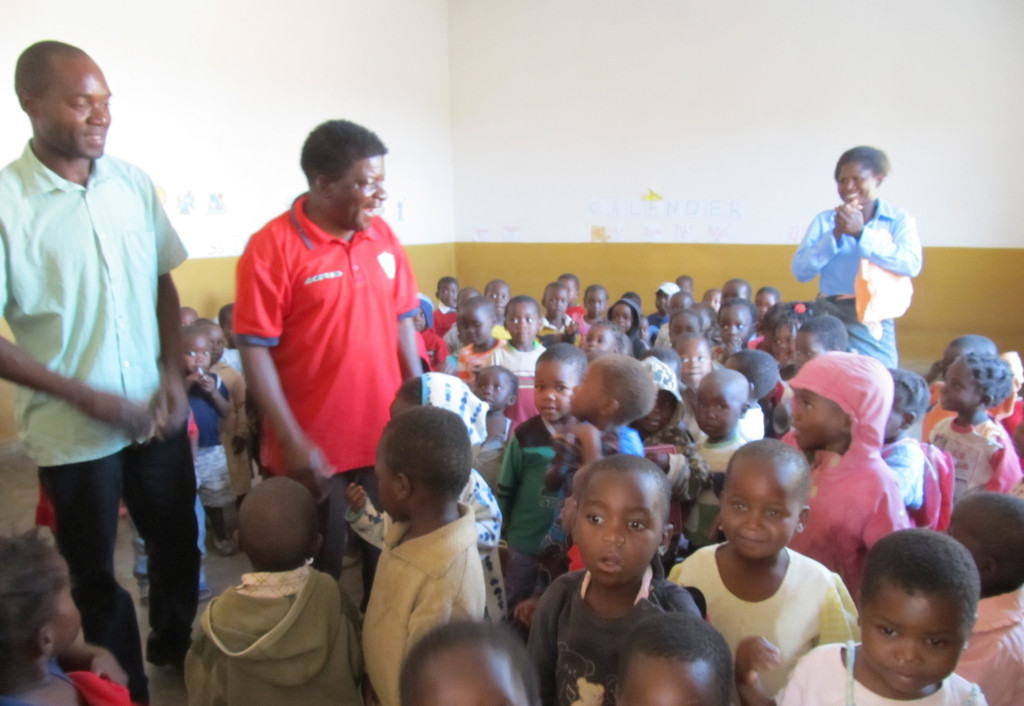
(335, 529)
(157, 482)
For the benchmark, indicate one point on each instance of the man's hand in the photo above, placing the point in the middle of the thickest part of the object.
(133, 419)
(170, 406)
(306, 463)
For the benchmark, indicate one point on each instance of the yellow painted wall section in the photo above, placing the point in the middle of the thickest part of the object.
(961, 290)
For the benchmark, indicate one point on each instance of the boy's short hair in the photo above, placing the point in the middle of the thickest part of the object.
(758, 367)
(33, 72)
(829, 331)
(523, 299)
(496, 283)
(992, 373)
(447, 279)
(334, 146)
(626, 381)
(554, 285)
(871, 157)
(682, 638)
(467, 634)
(780, 453)
(570, 277)
(973, 343)
(633, 297)
(910, 392)
(998, 519)
(741, 285)
(629, 464)
(691, 313)
(923, 562)
(768, 289)
(480, 302)
(739, 303)
(668, 356)
(32, 577)
(513, 381)
(595, 288)
(277, 524)
(411, 391)
(226, 311)
(567, 354)
(431, 447)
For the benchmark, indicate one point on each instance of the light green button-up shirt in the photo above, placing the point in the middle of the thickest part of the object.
(78, 286)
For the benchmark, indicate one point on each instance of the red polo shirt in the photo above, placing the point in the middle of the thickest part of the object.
(328, 309)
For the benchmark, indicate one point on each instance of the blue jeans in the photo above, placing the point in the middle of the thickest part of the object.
(861, 339)
(158, 485)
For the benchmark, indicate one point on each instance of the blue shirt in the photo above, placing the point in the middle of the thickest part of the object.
(78, 286)
(889, 240)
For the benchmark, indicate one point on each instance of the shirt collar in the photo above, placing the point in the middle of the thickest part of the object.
(274, 584)
(884, 210)
(40, 179)
(641, 595)
(313, 235)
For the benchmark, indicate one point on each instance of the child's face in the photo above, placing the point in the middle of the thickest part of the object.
(733, 290)
(66, 622)
(784, 346)
(522, 320)
(645, 328)
(761, 510)
(499, 294)
(556, 301)
(598, 340)
(622, 316)
(685, 283)
(419, 320)
(695, 355)
(571, 288)
(590, 397)
(661, 302)
(896, 423)
(713, 298)
(475, 325)
(909, 643)
(819, 423)
(719, 408)
(659, 681)
(764, 301)
(216, 339)
(682, 325)
(664, 407)
(388, 489)
(494, 388)
(470, 676)
(553, 385)
(227, 325)
(619, 527)
(807, 348)
(197, 353)
(962, 393)
(735, 326)
(679, 301)
(448, 294)
(595, 303)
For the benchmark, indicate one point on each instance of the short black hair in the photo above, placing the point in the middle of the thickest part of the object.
(691, 312)
(596, 288)
(555, 285)
(497, 283)
(992, 373)
(334, 146)
(523, 299)
(768, 289)
(571, 277)
(923, 562)
(480, 302)
(758, 367)
(910, 392)
(567, 354)
(447, 279)
(278, 524)
(779, 453)
(997, 522)
(628, 382)
(668, 356)
(740, 303)
(411, 391)
(33, 576)
(973, 343)
(829, 331)
(628, 464)
(34, 70)
(623, 346)
(501, 370)
(871, 157)
(794, 314)
(460, 634)
(741, 285)
(633, 297)
(431, 447)
(683, 638)
(228, 310)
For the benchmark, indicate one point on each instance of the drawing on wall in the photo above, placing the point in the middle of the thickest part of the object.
(186, 203)
(652, 196)
(599, 234)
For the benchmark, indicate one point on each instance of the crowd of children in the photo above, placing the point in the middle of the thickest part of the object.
(712, 504)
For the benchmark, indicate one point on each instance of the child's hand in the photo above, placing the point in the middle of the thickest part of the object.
(104, 664)
(660, 460)
(238, 444)
(755, 654)
(524, 611)
(206, 385)
(571, 329)
(356, 495)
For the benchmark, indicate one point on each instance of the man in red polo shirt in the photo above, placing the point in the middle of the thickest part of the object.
(324, 322)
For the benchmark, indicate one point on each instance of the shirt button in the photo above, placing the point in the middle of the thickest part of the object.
(102, 236)
(127, 364)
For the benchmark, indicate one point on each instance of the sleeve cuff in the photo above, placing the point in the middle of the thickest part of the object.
(248, 340)
(409, 314)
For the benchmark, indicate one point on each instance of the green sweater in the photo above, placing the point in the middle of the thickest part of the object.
(527, 507)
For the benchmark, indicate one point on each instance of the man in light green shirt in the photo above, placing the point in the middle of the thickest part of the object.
(86, 253)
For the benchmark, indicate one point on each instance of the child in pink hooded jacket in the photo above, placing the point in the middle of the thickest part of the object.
(841, 405)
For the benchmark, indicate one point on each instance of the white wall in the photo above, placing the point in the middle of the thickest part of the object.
(217, 97)
(733, 111)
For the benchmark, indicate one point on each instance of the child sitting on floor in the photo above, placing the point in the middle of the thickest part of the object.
(40, 634)
(520, 354)
(982, 451)
(841, 405)
(476, 331)
(429, 570)
(451, 394)
(605, 337)
(991, 527)
(577, 632)
(818, 335)
(498, 388)
(679, 323)
(920, 595)
(286, 634)
(666, 658)
(771, 604)
(902, 452)
(463, 662)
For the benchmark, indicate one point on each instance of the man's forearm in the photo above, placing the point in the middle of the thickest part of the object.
(408, 355)
(168, 318)
(19, 367)
(263, 387)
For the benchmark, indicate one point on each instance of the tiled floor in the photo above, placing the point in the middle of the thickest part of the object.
(18, 493)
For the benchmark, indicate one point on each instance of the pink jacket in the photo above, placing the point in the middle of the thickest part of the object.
(854, 499)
